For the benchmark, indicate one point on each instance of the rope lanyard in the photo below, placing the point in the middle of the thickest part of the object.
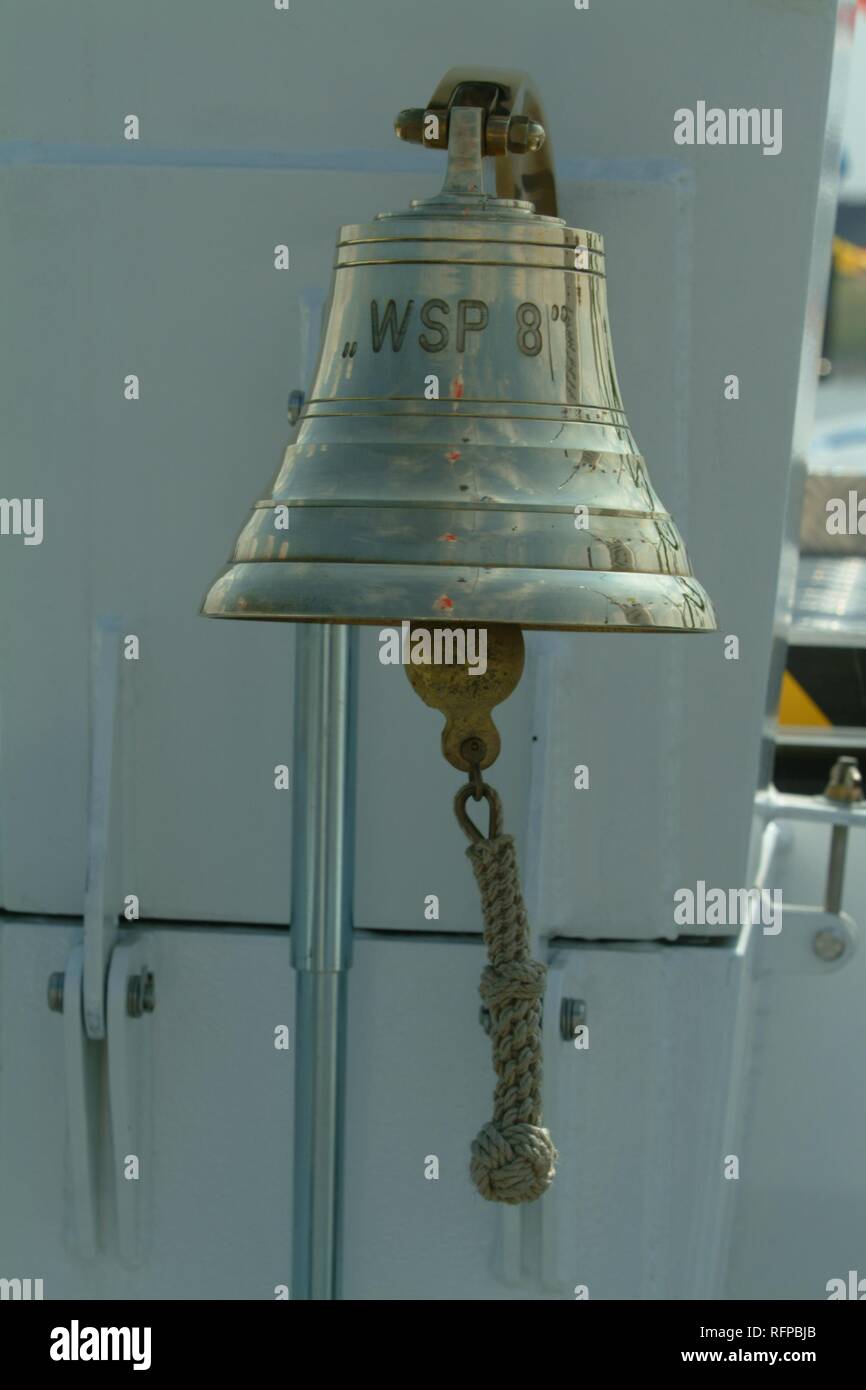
(513, 1156)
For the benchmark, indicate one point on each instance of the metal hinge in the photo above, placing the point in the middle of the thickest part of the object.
(103, 994)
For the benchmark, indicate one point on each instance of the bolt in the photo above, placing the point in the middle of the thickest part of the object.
(828, 944)
(473, 749)
(55, 992)
(411, 125)
(502, 134)
(140, 994)
(524, 136)
(296, 405)
(846, 781)
(845, 787)
(572, 1013)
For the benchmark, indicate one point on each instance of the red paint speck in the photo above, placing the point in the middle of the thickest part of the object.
(457, 389)
(447, 537)
(444, 603)
(453, 456)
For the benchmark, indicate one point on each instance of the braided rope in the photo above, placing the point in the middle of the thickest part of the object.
(513, 1155)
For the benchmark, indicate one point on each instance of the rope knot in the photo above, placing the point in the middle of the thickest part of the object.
(514, 982)
(512, 1164)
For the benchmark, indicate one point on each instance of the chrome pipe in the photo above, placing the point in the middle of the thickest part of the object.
(321, 929)
(321, 945)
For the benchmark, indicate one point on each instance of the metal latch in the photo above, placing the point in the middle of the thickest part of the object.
(103, 994)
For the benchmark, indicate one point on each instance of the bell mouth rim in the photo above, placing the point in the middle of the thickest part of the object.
(369, 594)
(444, 621)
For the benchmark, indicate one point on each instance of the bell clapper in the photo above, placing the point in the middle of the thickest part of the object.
(466, 692)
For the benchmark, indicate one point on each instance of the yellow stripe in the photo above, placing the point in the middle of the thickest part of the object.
(798, 708)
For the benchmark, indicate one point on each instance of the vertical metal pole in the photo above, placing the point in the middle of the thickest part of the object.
(836, 869)
(845, 786)
(321, 936)
(321, 931)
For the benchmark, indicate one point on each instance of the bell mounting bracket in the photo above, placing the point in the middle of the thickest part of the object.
(513, 130)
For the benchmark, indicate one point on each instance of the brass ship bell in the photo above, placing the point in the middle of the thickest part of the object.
(516, 493)
(464, 457)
